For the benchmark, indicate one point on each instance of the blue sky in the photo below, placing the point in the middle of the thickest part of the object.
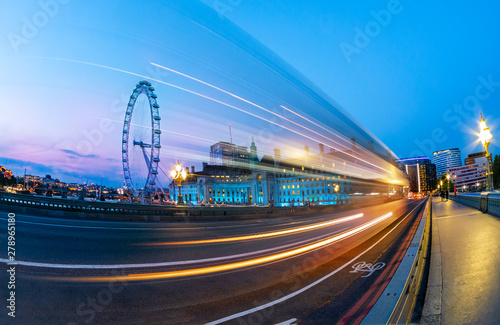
(404, 84)
(63, 104)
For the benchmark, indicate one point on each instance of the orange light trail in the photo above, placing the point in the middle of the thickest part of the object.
(231, 266)
(258, 236)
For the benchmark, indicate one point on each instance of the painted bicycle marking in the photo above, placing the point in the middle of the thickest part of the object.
(367, 267)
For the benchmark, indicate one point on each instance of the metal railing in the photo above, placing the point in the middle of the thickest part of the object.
(71, 208)
(488, 202)
(397, 302)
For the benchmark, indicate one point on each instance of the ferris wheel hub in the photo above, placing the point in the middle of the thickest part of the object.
(142, 144)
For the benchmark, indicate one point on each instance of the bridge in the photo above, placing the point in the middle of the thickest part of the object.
(299, 215)
(345, 253)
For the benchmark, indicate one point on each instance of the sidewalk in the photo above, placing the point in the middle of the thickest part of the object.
(464, 276)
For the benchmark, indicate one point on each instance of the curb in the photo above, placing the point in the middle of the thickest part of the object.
(431, 314)
(397, 302)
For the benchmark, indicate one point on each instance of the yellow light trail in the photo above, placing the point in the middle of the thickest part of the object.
(258, 236)
(230, 266)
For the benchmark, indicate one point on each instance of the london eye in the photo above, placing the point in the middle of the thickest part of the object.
(141, 142)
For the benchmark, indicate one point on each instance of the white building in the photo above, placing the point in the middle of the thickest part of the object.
(228, 154)
(470, 177)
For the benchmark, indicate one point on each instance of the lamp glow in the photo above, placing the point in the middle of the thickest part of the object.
(178, 174)
(485, 137)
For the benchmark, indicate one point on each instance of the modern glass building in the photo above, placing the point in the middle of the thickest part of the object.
(421, 173)
(446, 160)
(427, 174)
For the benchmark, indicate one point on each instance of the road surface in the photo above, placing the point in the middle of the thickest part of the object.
(321, 269)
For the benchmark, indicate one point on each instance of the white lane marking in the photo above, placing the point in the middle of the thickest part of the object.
(258, 223)
(158, 228)
(293, 294)
(163, 264)
(367, 267)
(460, 215)
(292, 321)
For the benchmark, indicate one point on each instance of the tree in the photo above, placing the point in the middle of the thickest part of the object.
(446, 184)
(7, 179)
(496, 171)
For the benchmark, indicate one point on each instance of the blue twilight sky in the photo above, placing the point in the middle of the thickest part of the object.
(407, 82)
(416, 74)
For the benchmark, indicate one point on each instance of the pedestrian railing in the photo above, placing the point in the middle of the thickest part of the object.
(81, 209)
(487, 201)
(472, 200)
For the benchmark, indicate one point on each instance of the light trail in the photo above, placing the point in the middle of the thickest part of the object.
(254, 104)
(162, 130)
(211, 99)
(311, 285)
(231, 266)
(259, 236)
(164, 264)
(278, 115)
(199, 95)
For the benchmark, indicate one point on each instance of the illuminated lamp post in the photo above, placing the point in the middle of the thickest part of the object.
(485, 137)
(178, 174)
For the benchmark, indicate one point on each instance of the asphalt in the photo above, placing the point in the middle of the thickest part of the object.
(464, 277)
(308, 287)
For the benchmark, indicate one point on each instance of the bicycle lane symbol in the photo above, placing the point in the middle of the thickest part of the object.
(367, 267)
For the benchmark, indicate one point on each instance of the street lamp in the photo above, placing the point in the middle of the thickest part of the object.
(178, 174)
(485, 137)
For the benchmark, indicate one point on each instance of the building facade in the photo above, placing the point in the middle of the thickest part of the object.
(472, 176)
(446, 160)
(268, 181)
(471, 158)
(421, 173)
(313, 179)
(228, 154)
(427, 176)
